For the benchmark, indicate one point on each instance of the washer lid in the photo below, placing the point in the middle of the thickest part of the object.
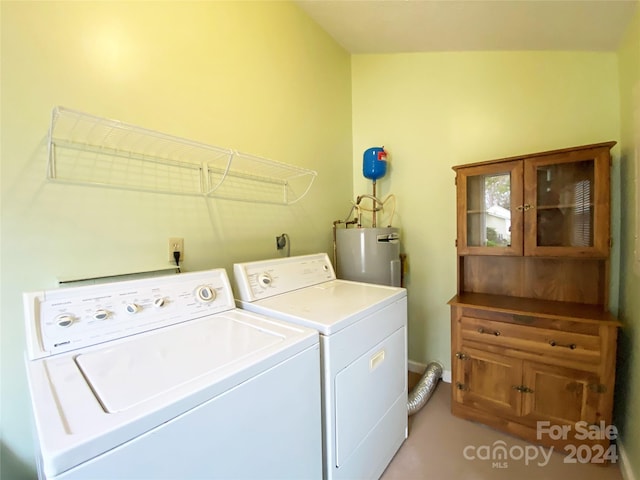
(128, 374)
(89, 401)
(330, 306)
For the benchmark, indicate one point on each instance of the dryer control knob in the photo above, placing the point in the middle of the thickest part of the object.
(265, 279)
(64, 320)
(160, 302)
(205, 293)
(132, 308)
(101, 314)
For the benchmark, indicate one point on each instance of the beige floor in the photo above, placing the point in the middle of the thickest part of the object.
(437, 443)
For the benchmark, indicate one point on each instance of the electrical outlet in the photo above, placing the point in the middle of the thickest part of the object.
(176, 245)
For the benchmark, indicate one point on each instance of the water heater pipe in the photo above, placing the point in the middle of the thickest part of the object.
(424, 388)
(373, 221)
(374, 208)
(335, 243)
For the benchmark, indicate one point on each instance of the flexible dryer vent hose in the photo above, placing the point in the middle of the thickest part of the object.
(424, 388)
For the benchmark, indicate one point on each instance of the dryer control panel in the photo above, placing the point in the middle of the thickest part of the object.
(65, 319)
(266, 278)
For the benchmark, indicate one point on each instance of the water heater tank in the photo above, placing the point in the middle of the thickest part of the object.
(370, 255)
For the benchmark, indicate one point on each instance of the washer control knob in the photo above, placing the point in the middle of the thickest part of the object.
(132, 308)
(160, 302)
(101, 314)
(205, 293)
(64, 320)
(265, 279)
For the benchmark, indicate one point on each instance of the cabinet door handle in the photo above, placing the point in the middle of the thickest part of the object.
(597, 387)
(489, 332)
(522, 388)
(571, 346)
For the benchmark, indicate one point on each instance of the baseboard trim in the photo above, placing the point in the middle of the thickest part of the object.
(419, 368)
(623, 462)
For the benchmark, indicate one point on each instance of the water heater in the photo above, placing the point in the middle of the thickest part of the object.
(370, 255)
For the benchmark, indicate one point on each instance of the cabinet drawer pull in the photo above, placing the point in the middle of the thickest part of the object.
(526, 319)
(489, 332)
(571, 346)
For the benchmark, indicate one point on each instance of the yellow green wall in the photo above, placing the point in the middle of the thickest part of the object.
(258, 77)
(628, 385)
(435, 110)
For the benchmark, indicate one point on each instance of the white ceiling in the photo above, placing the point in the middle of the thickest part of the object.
(393, 26)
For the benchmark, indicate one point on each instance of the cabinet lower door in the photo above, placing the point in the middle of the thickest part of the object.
(561, 396)
(488, 382)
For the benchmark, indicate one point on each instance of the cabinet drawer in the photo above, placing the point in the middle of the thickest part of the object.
(567, 345)
(531, 320)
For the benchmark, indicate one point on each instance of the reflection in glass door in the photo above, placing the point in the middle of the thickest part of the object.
(565, 204)
(488, 210)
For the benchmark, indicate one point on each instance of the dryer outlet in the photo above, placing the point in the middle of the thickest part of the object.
(176, 245)
(281, 241)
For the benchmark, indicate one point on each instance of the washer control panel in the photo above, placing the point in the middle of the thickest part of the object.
(266, 278)
(68, 318)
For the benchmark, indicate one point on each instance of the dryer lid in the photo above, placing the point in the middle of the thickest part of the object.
(329, 306)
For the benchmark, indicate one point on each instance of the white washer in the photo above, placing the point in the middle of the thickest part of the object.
(363, 345)
(165, 378)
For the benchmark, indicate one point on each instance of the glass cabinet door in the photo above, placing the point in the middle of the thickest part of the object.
(564, 205)
(489, 221)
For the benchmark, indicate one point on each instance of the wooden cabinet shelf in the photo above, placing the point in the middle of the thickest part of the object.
(530, 306)
(531, 338)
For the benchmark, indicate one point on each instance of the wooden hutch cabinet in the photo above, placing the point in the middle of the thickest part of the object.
(532, 342)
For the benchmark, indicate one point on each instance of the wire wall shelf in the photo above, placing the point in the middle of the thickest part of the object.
(89, 150)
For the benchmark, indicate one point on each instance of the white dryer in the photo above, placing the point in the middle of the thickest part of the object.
(164, 378)
(363, 342)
